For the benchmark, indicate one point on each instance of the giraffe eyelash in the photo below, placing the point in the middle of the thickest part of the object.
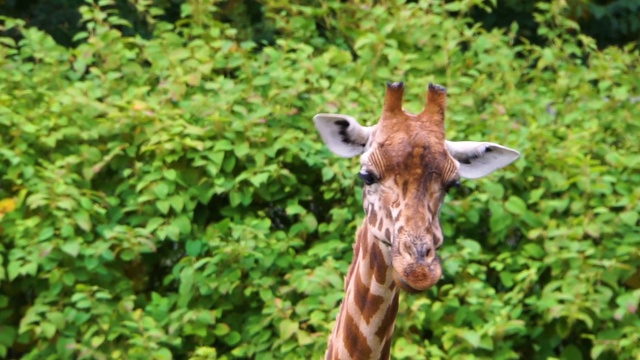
(451, 184)
(368, 178)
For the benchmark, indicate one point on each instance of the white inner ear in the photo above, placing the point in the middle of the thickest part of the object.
(478, 159)
(342, 134)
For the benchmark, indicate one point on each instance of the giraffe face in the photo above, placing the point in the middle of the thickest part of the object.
(407, 172)
(408, 167)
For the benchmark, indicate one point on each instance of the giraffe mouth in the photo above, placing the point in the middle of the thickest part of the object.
(403, 284)
(415, 280)
(414, 271)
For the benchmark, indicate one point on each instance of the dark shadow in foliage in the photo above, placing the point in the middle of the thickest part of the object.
(609, 22)
(58, 18)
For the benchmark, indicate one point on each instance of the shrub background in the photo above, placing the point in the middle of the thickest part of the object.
(165, 195)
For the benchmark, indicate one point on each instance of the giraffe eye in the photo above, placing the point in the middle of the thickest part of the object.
(452, 184)
(368, 178)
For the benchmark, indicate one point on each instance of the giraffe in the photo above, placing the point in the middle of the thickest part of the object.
(407, 167)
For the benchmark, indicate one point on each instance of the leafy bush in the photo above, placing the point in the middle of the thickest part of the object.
(169, 198)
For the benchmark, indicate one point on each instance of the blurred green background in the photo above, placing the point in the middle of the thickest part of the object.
(164, 194)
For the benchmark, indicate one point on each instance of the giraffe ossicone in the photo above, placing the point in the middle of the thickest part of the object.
(407, 167)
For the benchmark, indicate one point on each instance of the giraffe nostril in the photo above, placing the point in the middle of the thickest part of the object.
(425, 252)
(431, 252)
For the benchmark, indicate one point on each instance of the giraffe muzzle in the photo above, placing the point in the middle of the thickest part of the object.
(416, 265)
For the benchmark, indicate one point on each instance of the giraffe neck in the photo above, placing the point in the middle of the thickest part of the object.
(364, 326)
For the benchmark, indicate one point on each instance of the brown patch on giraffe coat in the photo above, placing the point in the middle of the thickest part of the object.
(368, 303)
(388, 213)
(387, 234)
(364, 250)
(373, 217)
(378, 264)
(389, 319)
(405, 188)
(354, 340)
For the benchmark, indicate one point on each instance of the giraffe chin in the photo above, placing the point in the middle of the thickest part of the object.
(417, 278)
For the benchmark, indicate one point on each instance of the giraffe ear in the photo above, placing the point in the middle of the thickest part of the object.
(343, 134)
(478, 159)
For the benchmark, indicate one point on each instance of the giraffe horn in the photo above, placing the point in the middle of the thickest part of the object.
(436, 104)
(393, 97)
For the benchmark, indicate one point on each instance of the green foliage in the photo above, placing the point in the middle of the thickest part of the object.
(609, 22)
(169, 198)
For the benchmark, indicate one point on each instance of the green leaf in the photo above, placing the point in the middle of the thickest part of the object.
(127, 255)
(515, 205)
(7, 335)
(193, 247)
(98, 340)
(223, 145)
(294, 209)
(154, 223)
(186, 284)
(161, 190)
(241, 149)
(71, 247)
(453, 6)
(173, 232)
(258, 179)
(630, 217)
(68, 278)
(535, 195)
(310, 222)
(170, 174)
(235, 198)
(506, 278)
(14, 269)
(177, 202)
(163, 354)
(229, 163)
(67, 231)
(83, 220)
(404, 349)
(571, 352)
(304, 338)
(183, 224)
(221, 329)
(46, 233)
(233, 338)
(287, 328)
(48, 329)
(57, 319)
(472, 337)
(500, 222)
(163, 206)
(473, 246)
(534, 250)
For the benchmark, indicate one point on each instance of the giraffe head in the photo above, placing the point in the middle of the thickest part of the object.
(407, 167)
